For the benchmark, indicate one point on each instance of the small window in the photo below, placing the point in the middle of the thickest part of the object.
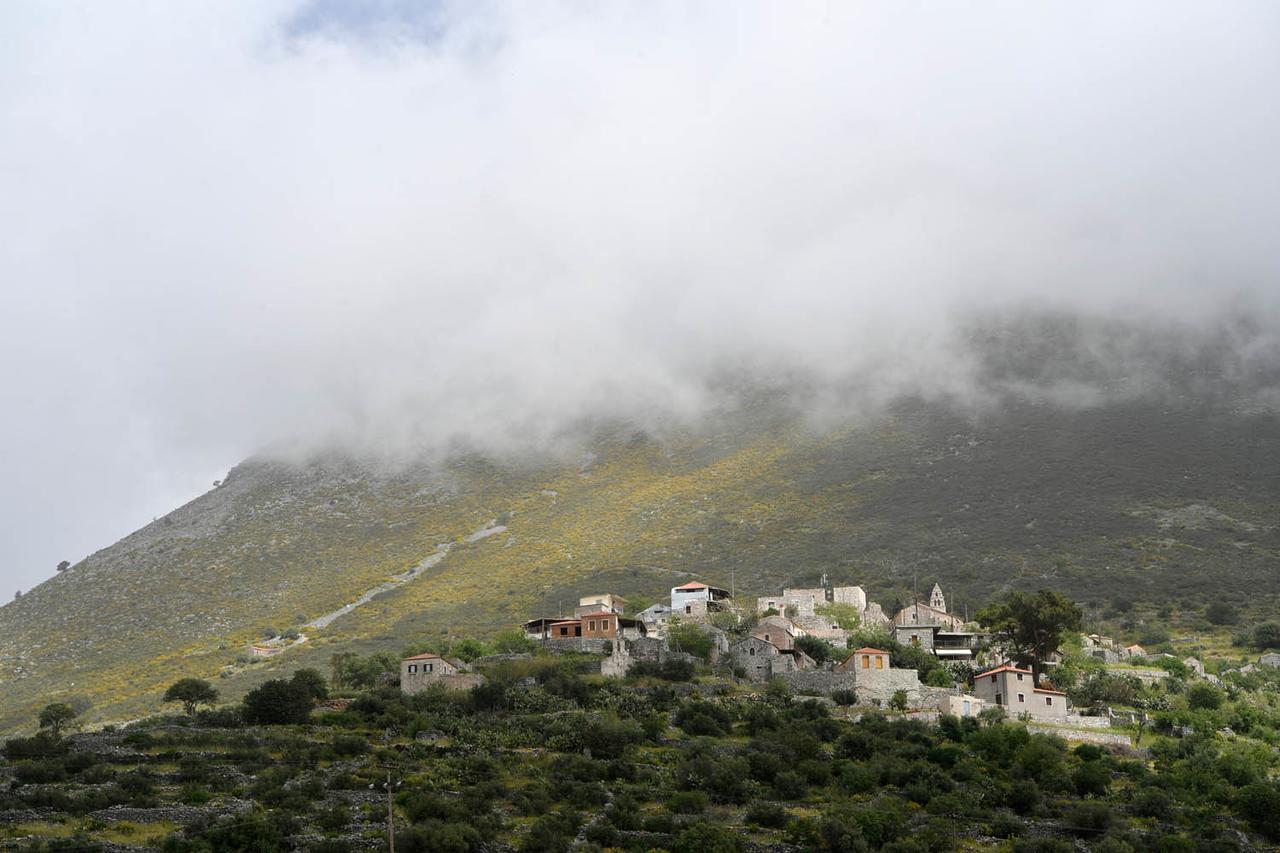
(591, 626)
(752, 650)
(1048, 700)
(1019, 676)
(688, 608)
(429, 667)
(413, 667)
(766, 638)
(999, 700)
(1022, 697)
(866, 661)
(879, 662)
(993, 679)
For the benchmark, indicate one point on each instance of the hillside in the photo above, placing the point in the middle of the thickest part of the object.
(1141, 499)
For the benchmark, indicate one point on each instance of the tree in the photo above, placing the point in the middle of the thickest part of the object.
(1204, 697)
(690, 638)
(1221, 613)
(846, 616)
(191, 692)
(1032, 625)
(820, 650)
(311, 681)
(1267, 635)
(63, 566)
(56, 717)
(898, 702)
(278, 702)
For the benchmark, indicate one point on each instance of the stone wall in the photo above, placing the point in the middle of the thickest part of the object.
(416, 682)
(1106, 738)
(820, 681)
(593, 645)
(645, 649)
(879, 687)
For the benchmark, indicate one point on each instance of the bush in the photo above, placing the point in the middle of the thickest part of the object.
(278, 702)
(1221, 613)
(312, 682)
(703, 718)
(672, 669)
(1203, 696)
(706, 838)
(690, 638)
(844, 697)
(687, 802)
(437, 836)
(770, 815)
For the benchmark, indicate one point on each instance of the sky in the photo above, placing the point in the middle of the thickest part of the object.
(386, 225)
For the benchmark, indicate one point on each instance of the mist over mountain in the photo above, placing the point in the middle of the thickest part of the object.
(399, 230)
(1112, 461)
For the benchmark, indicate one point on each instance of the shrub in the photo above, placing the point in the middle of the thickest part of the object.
(672, 669)
(706, 838)
(1221, 613)
(699, 718)
(278, 702)
(312, 682)
(687, 802)
(1204, 697)
(770, 815)
(844, 697)
(690, 638)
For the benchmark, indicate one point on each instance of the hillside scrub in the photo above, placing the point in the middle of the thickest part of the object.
(542, 754)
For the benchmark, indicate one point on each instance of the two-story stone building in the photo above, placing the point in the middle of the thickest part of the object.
(1014, 690)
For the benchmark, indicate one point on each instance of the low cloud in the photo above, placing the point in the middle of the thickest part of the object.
(392, 225)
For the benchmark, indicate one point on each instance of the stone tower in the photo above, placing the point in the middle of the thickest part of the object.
(936, 601)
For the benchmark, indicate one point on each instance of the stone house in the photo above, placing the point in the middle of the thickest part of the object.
(1194, 665)
(1014, 690)
(876, 680)
(935, 638)
(804, 602)
(419, 672)
(1270, 659)
(923, 614)
(1135, 651)
(761, 660)
(655, 619)
(695, 600)
(779, 630)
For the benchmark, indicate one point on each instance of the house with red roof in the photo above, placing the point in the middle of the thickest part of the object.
(694, 600)
(1015, 690)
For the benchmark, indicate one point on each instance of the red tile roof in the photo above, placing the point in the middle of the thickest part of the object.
(1047, 690)
(692, 585)
(870, 651)
(424, 656)
(1005, 668)
(567, 622)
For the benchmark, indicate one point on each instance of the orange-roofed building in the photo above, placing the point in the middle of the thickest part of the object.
(1015, 690)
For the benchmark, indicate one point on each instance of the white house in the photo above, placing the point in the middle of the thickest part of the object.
(695, 599)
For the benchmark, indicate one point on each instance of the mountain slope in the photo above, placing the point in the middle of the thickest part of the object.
(1133, 499)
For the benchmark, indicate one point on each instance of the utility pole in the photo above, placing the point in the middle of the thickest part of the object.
(391, 815)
